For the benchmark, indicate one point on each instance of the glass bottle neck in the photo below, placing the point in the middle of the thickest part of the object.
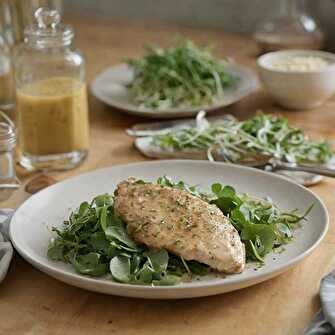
(48, 47)
(291, 8)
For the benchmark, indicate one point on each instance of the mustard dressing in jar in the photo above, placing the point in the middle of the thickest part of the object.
(52, 110)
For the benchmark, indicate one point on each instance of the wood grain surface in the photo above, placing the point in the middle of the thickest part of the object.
(32, 303)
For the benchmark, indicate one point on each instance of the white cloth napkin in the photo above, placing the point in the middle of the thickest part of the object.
(6, 249)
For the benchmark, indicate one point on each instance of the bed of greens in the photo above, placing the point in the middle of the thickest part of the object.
(260, 134)
(94, 240)
(182, 76)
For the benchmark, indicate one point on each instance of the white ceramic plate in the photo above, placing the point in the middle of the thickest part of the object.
(30, 227)
(111, 87)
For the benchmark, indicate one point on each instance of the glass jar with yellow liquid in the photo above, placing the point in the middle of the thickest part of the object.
(51, 98)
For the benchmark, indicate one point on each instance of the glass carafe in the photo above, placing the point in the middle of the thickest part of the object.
(52, 110)
(293, 28)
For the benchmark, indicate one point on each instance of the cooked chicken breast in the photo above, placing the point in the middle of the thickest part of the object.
(164, 217)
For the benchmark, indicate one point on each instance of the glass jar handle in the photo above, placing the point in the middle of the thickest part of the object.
(47, 18)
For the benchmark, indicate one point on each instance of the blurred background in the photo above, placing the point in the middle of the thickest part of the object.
(228, 15)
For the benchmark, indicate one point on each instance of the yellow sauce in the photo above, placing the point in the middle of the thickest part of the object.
(53, 117)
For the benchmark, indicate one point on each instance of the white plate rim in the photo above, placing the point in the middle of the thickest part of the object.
(193, 285)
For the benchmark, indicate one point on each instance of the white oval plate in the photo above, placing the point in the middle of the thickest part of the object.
(111, 87)
(30, 226)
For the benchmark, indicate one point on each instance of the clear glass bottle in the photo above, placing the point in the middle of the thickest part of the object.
(52, 110)
(7, 84)
(16, 15)
(293, 28)
(8, 179)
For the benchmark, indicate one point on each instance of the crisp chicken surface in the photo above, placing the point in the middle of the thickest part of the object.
(164, 217)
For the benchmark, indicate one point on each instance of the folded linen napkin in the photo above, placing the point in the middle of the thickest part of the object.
(6, 249)
(324, 321)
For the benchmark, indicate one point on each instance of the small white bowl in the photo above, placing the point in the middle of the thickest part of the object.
(297, 89)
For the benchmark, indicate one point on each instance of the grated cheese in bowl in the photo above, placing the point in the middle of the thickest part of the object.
(300, 63)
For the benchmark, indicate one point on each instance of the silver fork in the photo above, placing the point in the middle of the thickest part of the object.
(268, 162)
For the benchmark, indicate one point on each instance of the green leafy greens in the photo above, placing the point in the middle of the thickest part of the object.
(95, 240)
(262, 134)
(262, 226)
(185, 75)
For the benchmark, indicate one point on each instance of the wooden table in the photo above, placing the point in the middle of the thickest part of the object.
(35, 304)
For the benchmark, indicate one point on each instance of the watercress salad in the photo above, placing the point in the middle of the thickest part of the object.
(95, 241)
(260, 134)
(184, 75)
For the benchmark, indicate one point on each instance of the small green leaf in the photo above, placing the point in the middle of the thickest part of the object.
(158, 259)
(165, 181)
(146, 274)
(225, 204)
(228, 192)
(89, 264)
(264, 233)
(216, 188)
(284, 229)
(167, 280)
(103, 218)
(55, 252)
(121, 235)
(99, 242)
(102, 200)
(250, 246)
(120, 269)
(135, 263)
(198, 268)
(238, 219)
(83, 209)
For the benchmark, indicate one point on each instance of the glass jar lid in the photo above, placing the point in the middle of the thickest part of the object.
(48, 30)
